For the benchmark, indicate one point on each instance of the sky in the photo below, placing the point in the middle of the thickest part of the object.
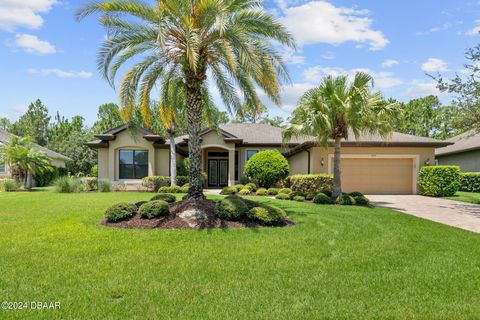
(45, 54)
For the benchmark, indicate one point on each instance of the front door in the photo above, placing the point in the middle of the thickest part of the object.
(217, 172)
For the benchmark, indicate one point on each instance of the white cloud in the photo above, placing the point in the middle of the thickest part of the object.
(475, 31)
(434, 65)
(289, 56)
(32, 44)
(389, 63)
(322, 22)
(290, 94)
(61, 73)
(420, 89)
(328, 55)
(23, 13)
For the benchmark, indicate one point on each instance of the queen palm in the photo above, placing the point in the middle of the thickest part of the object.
(337, 107)
(230, 41)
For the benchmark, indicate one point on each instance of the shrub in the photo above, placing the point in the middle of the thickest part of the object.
(89, 184)
(9, 185)
(153, 209)
(184, 189)
(273, 191)
(267, 167)
(164, 197)
(285, 190)
(244, 180)
(310, 195)
(244, 191)
(231, 208)
(182, 180)
(361, 201)
(298, 198)
(261, 192)
(309, 182)
(282, 196)
(154, 183)
(94, 171)
(267, 214)
(470, 181)
(239, 186)
(138, 204)
(182, 167)
(322, 198)
(294, 194)
(345, 200)
(251, 186)
(228, 190)
(328, 192)
(356, 194)
(104, 186)
(67, 184)
(172, 189)
(439, 181)
(120, 211)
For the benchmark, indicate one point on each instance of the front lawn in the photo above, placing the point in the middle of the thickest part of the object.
(336, 262)
(471, 197)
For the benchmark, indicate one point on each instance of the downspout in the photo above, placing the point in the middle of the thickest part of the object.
(308, 162)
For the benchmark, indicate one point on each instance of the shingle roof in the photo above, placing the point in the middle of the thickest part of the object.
(466, 141)
(6, 136)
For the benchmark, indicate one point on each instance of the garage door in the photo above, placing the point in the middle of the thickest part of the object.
(377, 176)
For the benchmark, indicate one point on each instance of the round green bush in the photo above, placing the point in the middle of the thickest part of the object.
(244, 192)
(310, 195)
(298, 198)
(229, 190)
(294, 194)
(172, 189)
(165, 197)
(322, 198)
(239, 186)
(345, 200)
(261, 192)
(327, 192)
(120, 211)
(267, 167)
(272, 191)
(251, 186)
(231, 208)
(439, 181)
(153, 209)
(285, 190)
(267, 214)
(282, 196)
(138, 204)
(356, 194)
(361, 201)
(184, 189)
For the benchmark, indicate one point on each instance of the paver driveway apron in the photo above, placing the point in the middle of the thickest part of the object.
(453, 213)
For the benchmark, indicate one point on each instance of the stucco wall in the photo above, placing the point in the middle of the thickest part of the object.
(298, 163)
(468, 161)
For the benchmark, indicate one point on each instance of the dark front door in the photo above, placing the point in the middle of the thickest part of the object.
(217, 172)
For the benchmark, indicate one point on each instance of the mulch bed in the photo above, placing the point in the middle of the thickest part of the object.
(174, 222)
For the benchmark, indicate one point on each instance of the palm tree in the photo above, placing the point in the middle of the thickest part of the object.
(21, 157)
(230, 41)
(329, 111)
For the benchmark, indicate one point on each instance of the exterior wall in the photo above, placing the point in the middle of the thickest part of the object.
(299, 163)
(468, 161)
(103, 163)
(59, 163)
(162, 162)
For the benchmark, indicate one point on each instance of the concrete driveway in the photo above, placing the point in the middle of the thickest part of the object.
(453, 213)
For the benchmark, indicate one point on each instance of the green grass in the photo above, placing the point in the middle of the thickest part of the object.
(336, 262)
(471, 197)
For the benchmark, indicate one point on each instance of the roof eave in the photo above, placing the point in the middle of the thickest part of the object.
(456, 151)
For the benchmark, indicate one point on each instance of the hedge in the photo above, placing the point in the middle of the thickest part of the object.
(154, 183)
(470, 181)
(267, 168)
(439, 181)
(309, 182)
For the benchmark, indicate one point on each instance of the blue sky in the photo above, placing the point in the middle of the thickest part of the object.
(46, 54)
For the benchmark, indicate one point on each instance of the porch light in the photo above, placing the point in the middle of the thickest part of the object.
(322, 162)
(427, 162)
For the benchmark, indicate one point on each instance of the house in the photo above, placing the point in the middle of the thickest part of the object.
(464, 152)
(370, 164)
(58, 160)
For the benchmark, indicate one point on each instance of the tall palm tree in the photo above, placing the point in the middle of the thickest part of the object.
(230, 41)
(329, 111)
(20, 156)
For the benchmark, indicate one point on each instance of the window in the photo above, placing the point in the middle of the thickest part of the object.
(133, 164)
(250, 153)
(2, 166)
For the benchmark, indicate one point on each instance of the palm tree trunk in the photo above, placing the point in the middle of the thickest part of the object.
(173, 155)
(194, 115)
(337, 182)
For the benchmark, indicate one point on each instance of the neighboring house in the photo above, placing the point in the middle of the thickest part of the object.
(58, 160)
(370, 165)
(464, 152)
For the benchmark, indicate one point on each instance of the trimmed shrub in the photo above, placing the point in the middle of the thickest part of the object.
(298, 198)
(345, 200)
(9, 185)
(267, 168)
(310, 196)
(439, 181)
(138, 204)
(154, 183)
(153, 209)
(244, 180)
(164, 197)
(184, 189)
(228, 190)
(251, 186)
(67, 184)
(470, 181)
(89, 183)
(104, 186)
(182, 180)
(294, 194)
(267, 214)
(361, 201)
(322, 198)
(120, 211)
(239, 186)
(231, 208)
(272, 191)
(309, 182)
(356, 194)
(282, 196)
(261, 192)
(172, 189)
(244, 192)
(328, 192)
(285, 190)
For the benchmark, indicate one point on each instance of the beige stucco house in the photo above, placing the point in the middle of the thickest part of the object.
(463, 152)
(370, 164)
(58, 160)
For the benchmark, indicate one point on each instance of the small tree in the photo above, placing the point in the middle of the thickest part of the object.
(267, 168)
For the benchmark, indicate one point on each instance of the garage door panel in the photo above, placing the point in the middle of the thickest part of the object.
(377, 176)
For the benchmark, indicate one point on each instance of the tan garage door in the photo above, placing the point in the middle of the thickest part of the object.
(377, 176)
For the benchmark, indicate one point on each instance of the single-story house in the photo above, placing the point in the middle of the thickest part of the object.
(370, 164)
(464, 152)
(58, 160)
